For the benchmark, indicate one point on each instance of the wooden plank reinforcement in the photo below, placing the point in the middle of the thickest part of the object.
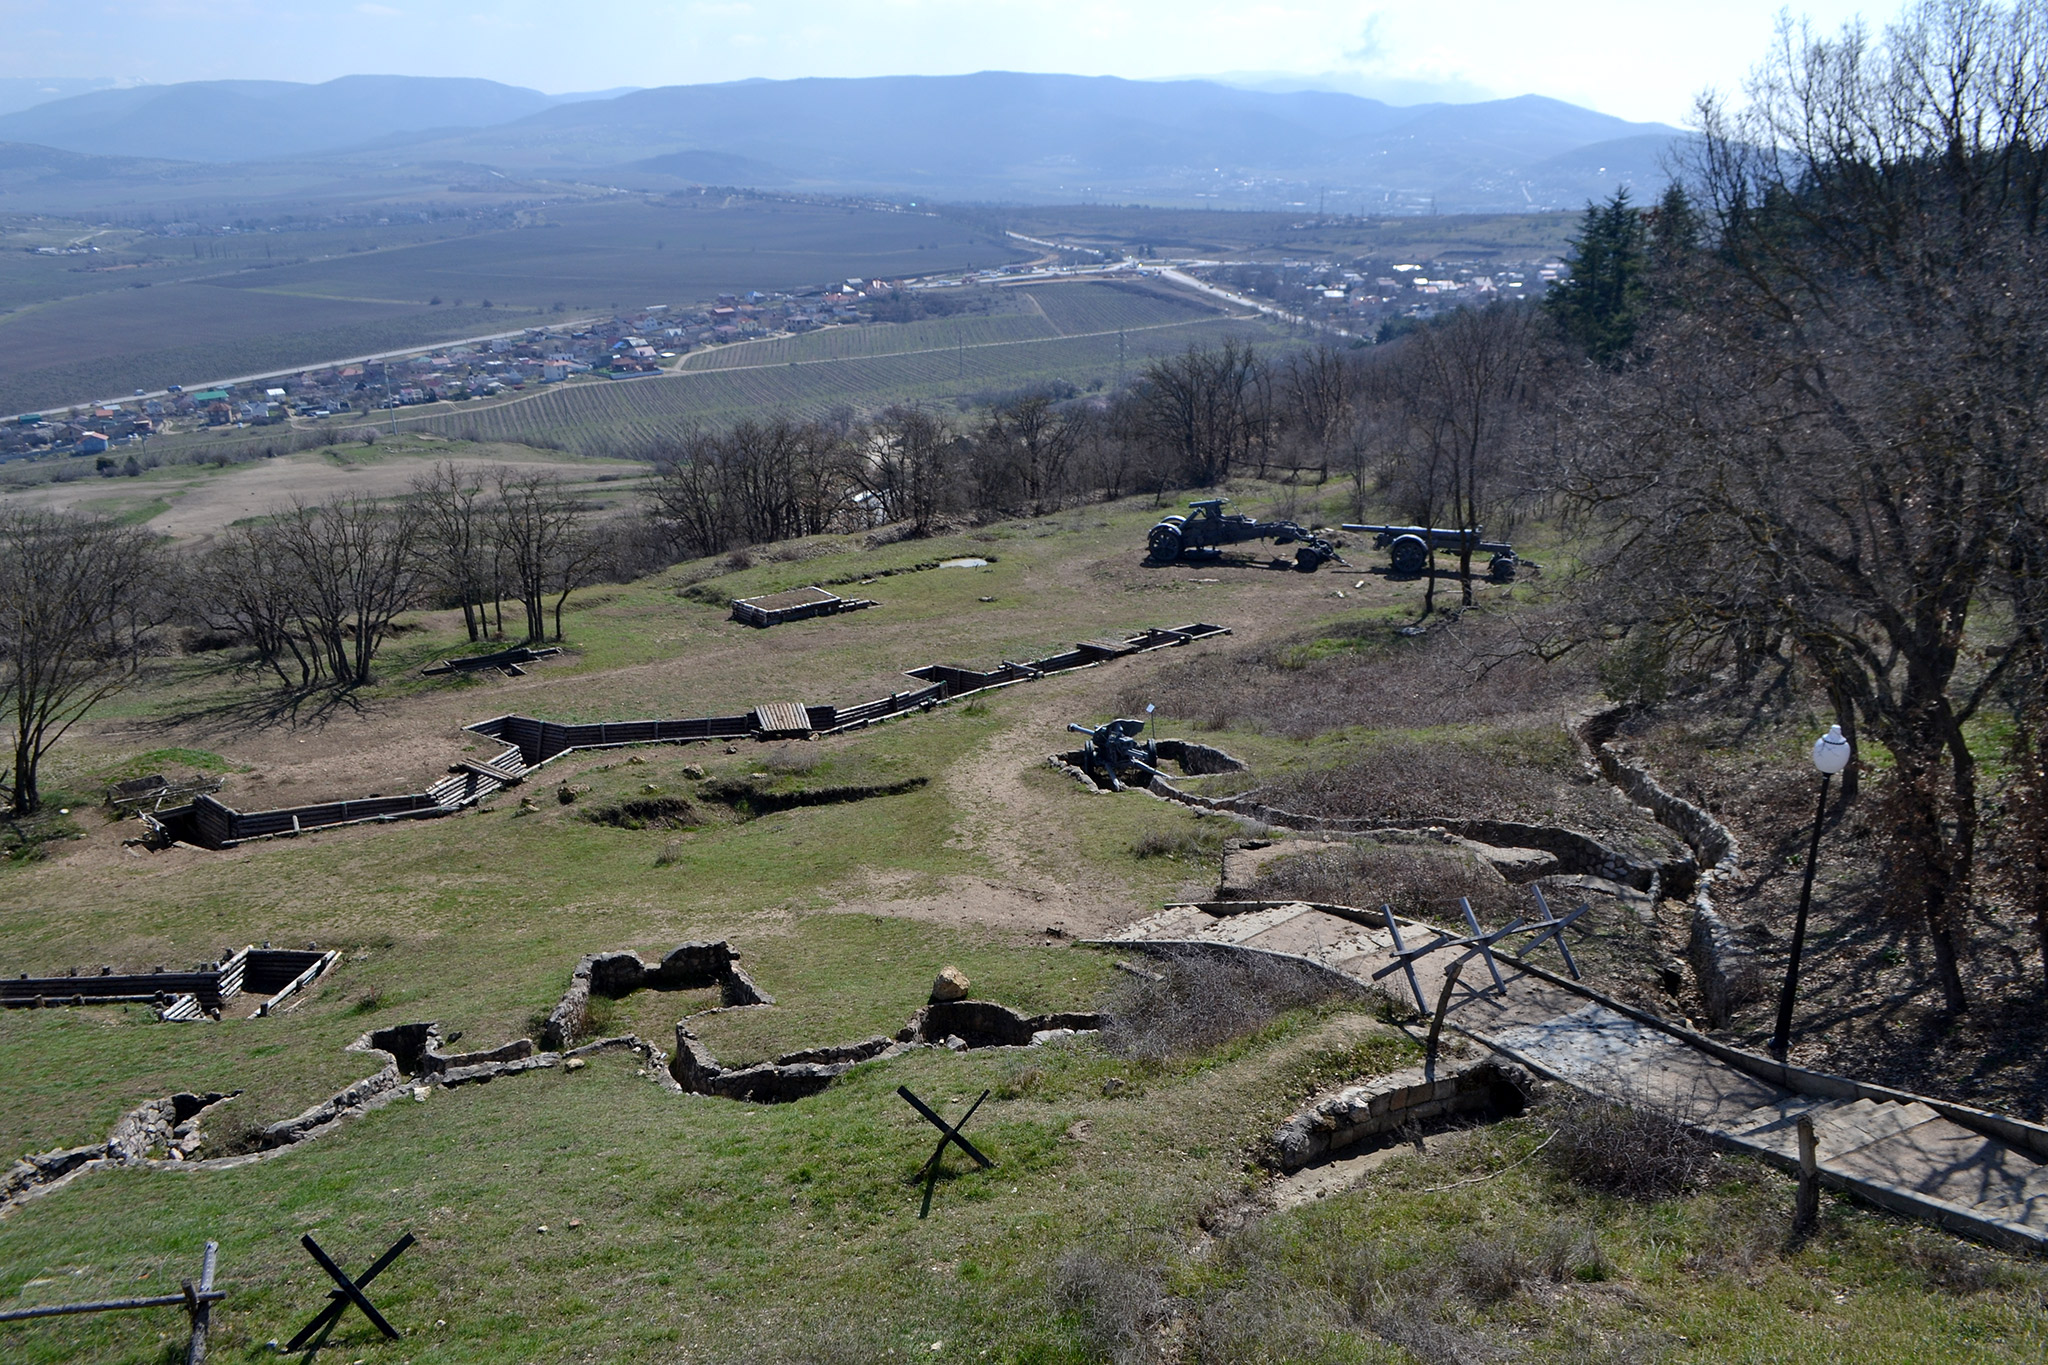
(782, 720)
(531, 742)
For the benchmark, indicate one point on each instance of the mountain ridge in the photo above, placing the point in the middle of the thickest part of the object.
(984, 136)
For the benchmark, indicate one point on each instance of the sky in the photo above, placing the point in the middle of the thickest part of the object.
(1633, 58)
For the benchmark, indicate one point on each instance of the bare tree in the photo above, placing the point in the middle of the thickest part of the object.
(539, 527)
(1028, 443)
(908, 468)
(1210, 408)
(78, 601)
(1836, 446)
(1472, 366)
(243, 583)
(759, 481)
(1319, 386)
(354, 566)
(455, 531)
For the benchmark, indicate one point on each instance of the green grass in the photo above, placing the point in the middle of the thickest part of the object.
(713, 1231)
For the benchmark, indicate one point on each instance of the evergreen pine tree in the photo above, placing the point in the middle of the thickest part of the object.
(1599, 306)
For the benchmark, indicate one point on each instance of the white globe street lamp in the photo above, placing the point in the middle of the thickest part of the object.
(1832, 753)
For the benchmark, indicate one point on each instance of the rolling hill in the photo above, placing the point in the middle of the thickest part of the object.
(990, 136)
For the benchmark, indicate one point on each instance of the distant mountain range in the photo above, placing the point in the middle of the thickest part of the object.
(991, 136)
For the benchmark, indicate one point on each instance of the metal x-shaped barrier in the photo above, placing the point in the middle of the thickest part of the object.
(349, 1292)
(950, 1132)
(1479, 943)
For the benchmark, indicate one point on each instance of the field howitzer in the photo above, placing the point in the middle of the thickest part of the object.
(1206, 528)
(1114, 749)
(1408, 548)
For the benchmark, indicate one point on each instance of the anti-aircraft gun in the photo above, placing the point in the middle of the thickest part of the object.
(1114, 749)
(1207, 528)
(1408, 548)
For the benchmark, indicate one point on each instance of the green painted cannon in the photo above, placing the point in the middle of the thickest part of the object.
(1207, 528)
(1408, 548)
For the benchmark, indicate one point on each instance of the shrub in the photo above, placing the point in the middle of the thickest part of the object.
(1201, 844)
(1636, 1151)
(1491, 1269)
(790, 759)
(1197, 1003)
(1419, 880)
(1121, 1303)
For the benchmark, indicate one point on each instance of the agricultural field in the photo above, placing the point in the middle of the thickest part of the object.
(1075, 333)
(594, 1215)
(144, 313)
(1276, 236)
(188, 502)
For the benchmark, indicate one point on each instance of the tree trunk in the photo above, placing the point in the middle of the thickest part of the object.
(1938, 863)
(26, 797)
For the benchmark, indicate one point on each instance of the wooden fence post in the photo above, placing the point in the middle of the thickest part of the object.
(1806, 1210)
(201, 1308)
(1436, 1023)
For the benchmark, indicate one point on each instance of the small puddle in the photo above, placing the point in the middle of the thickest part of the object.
(963, 563)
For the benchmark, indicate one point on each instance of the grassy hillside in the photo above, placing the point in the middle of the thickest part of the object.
(592, 1215)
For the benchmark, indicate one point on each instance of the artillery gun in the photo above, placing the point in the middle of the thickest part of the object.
(1114, 749)
(1207, 528)
(1408, 548)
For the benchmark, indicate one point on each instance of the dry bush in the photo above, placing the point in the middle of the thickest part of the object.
(1407, 780)
(1203, 844)
(1268, 1317)
(1943, 1263)
(1363, 673)
(1419, 880)
(1430, 1327)
(1199, 1002)
(1637, 1151)
(790, 759)
(1570, 1250)
(1490, 1269)
(1122, 1303)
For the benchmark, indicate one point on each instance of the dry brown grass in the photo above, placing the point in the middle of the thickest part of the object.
(1197, 1003)
(1362, 673)
(1521, 773)
(1419, 880)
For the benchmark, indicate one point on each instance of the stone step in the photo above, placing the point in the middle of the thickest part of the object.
(1948, 1162)
(1857, 1125)
(1775, 1126)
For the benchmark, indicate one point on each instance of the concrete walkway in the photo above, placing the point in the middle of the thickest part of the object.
(1973, 1172)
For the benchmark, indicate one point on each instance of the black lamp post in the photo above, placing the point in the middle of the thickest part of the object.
(1831, 754)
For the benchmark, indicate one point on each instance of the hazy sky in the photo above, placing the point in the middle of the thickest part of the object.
(1635, 58)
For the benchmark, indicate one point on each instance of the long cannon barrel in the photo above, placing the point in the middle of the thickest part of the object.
(1437, 537)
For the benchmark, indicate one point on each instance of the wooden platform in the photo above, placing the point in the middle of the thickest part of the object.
(781, 720)
(794, 605)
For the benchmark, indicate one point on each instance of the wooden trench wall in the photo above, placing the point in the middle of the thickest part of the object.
(530, 742)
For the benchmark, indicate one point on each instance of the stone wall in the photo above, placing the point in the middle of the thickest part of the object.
(1720, 964)
(1389, 1103)
(688, 966)
(792, 1076)
(1576, 854)
(983, 1023)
